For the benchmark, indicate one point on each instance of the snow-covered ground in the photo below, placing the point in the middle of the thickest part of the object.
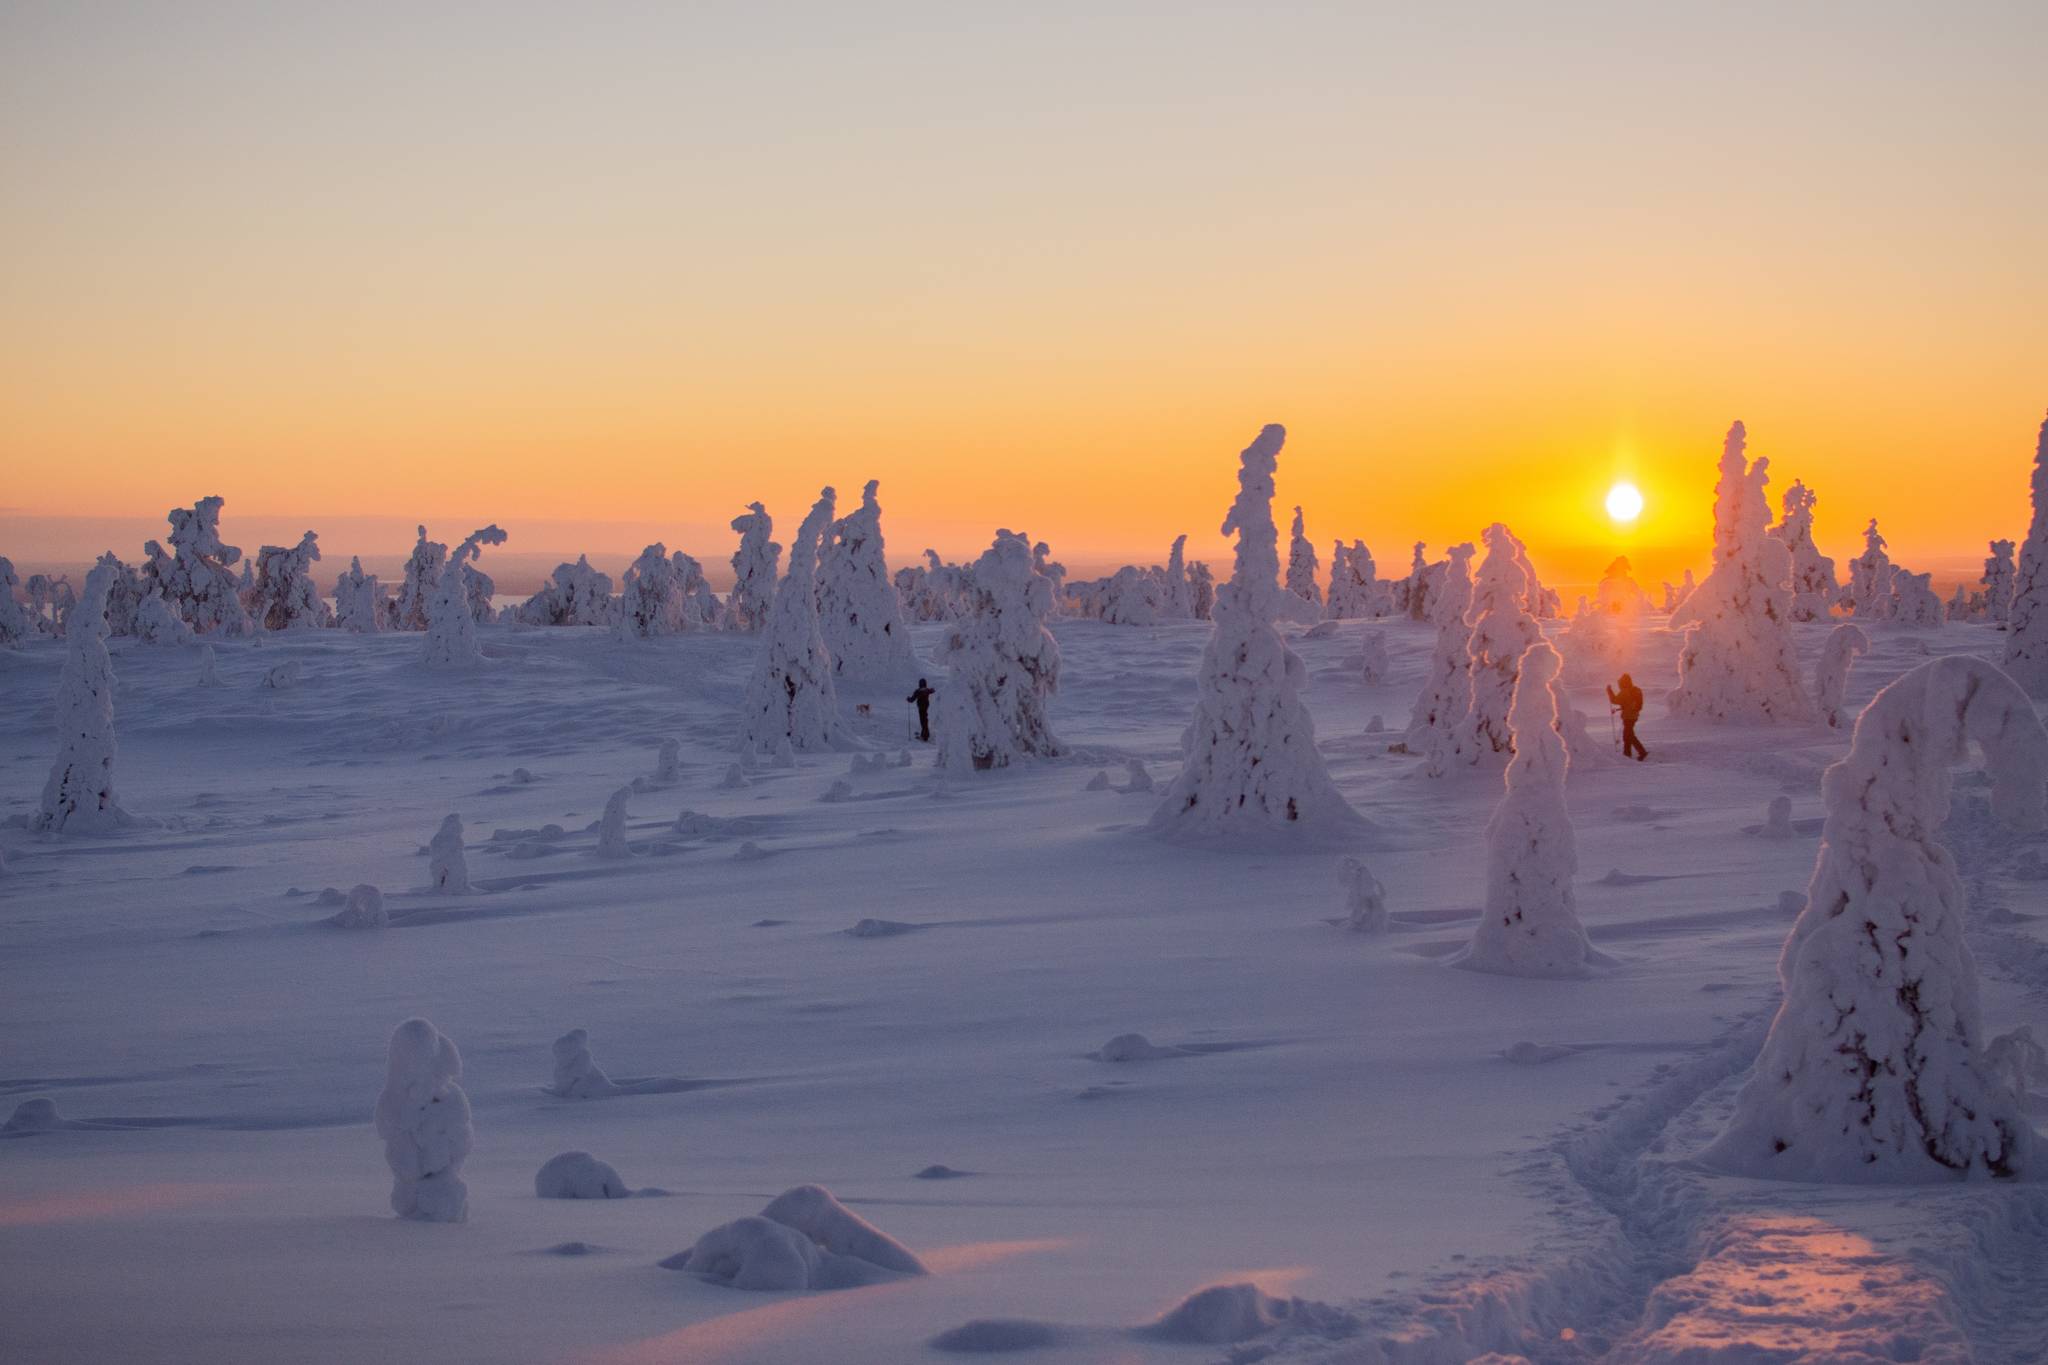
(1436, 1163)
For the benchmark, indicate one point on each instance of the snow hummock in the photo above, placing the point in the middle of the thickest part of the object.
(577, 1076)
(1845, 644)
(448, 871)
(860, 615)
(1874, 1070)
(423, 1117)
(1530, 923)
(15, 626)
(1365, 900)
(35, 1115)
(451, 616)
(803, 1239)
(2026, 647)
(790, 699)
(1250, 760)
(1003, 665)
(578, 1175)
(364, 909)
(78, 797)
(611, 827)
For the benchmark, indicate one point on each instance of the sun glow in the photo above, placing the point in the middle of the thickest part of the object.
(1624, 502)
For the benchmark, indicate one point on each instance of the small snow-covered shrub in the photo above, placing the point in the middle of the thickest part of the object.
(448, 870)
(578, 1175)
(804, 1239)
(79, 795)
(363, 910)
(423, 1117)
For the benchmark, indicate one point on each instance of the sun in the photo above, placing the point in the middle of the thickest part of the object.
(1624, 502)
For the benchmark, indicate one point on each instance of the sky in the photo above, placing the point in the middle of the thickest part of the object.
(607, 273)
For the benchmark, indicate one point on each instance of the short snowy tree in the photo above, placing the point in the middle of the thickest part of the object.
(198, 577)
(1502, 631)
(1201, 591)
(651, 596)
(1845, 644)
(157, 624)
(574, 595)
(1618, 593)
(1132, 597)
(1997, 582)
(1675, 599)
(1053, 572)
(1870, 578)
(285, 596)
(860, 616)
(1355, 592)
(1374, 660)
(416, 591)
(423, 1118)
(1814, 588)
(447, 868)
(1914, 602)
(789, 698)
(1530, 925)
(754, 568)
(1003, 665)
(2026, 647)
(1597, 646)
(1874, 1070)
(79, 797)
(15, 626)
(1439, 712)
(1542, 603)
(1412, 597)
(701, 606)
(577, 1074)
(1738, 661)
(451, 622)
(1250, 761)
(359, 600)
(1301, 569)
(1365, 900)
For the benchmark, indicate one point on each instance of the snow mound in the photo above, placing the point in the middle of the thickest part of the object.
(38, 1115)
(364, 909)
(447, 869)
(1365, 900)
(578, 1175)
(1099, 782)
(577, 1076)
(882, 928)
(803, 1239)
(1223, 1315)
(733, 779)
(998, 1336)
(1134, 1047)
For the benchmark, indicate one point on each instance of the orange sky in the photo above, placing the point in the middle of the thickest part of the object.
(1045, 269)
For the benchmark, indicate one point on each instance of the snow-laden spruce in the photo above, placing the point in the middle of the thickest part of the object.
(124, 595)
(1914, 601)
(1738, 660)
(1814, 589)
(1439, 711)
(15, 626)
(359, 600)
(447, 868)
(1301, 572)
(1250, 762)
(1530, 925)
(790, 698)
(423, 1117)
(754, 568)
(1129, 597)
(1874, 1069)
(1845, 644)
(2026, 647)
(1870, 578)
(1542, 603)
(574, 595)
(1180, 592)
(1502, 631)
(157, 624)
(451, 618)
(198, 577)
(1411, 598)
(79, 796)
(652, 597)
(416, 589)
(284, 596)
(1355, 591)
(1998, 583)
(1618, 593)
(859, 613)
(1003, 665)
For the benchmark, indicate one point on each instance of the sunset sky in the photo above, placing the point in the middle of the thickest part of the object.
(1047, 266)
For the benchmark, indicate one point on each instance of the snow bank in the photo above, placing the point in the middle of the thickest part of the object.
(79, 795)
(578, 1175)
(423, 1117)
(803, 1239)
(789, 698)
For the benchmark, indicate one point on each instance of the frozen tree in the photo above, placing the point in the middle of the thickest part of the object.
(1365, 900)
(79, 796)
(1814, 588)
(1913, 600)
(1250, 761)
(790, 698)
(15, 626)
(577, 1075)
(754, 567)
(359, 600)
(1962, 607)
(447, 869)
(1132, 597)
(157, 624)
(1413, 594)
(860, 616)
(1619, 594)
(611, 828)
(422, 573)
(1179, 604)
(574, 595)
(50, 601)
(1998, 581)
(668, 762)
(284, 596)
(1043, 564)
(1874, 1070)
(1201, 591)
(423, 1117)
(451, 624)
(1540, 602)
(1597, 645)
(651, 596)
(1738, 662)
(1003, 666)
(1870, 577)
(1846, 643)
(1530, 926)
(1446, 694)
(1301, 568)
(2026, 648)
(1674, 602)
(701, 607)
(124, 595)
(1502, 631)
(1374, 662)
(1354, 591)
(198, 577)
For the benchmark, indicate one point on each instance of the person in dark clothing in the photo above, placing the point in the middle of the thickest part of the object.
(1627, 698)
(923, 698)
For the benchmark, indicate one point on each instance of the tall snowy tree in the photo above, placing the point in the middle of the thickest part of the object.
(1814, 588)
(1530, 926)
(1355, 592)
(15, 626)
(1003, 665)
(1413, 594)
(790, 698)
(79, 796)
(285, 596)
(859, 613)
(1301, 569)
(754, 567)
(1251, 765)
(2026, 647)
(1874, 1069)
(1870, 577)
(1439, 712)
(1201, 591)
(198, 577)
(1618, 593)
(1738, 661)
(451, 622)
(1502, 631)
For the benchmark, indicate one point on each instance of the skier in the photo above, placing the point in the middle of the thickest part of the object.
(923, 698)
(1626, 697)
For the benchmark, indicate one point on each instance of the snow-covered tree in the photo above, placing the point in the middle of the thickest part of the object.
(1502, 631)
(611, 827)
(359, 603)
(1130, 597)
(1913, 600)
(416, 591)
(451, 621)
(79, 796)
(1355, 592)
(1003, 666)
(860, 616)
(1412, 597)
(50, 600)
(701, 606)
(1180, 592)
(157, 624)
(1814, 588)
(15, 626)
(1301, 569)
(124, 595)
(1997, 582)
(447, 868)
(198, 577)
(1846, 643)
(790, 698)
(1374, 661)
(1530, 926)
(1053, 572)
(1874, 1070)
(2026, 647)
(1540, 602)
(1618, 593)
(285, 596)
(1598, 646)
(1446, 695)
(1675, 600)
(1365, 900)
(423, 1118)
(651, 596)
(1738, 661)
(754, 568)
(577, 1074)
(1870, 578)
(1250, 761)
(574, 595)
